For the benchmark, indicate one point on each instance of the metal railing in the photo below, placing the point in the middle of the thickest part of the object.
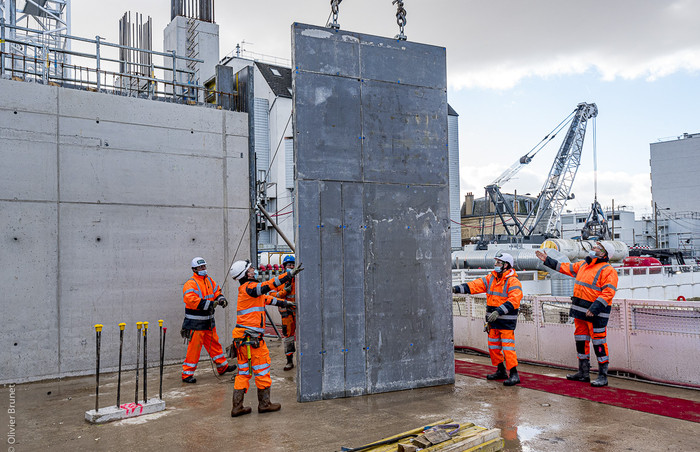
(98, 67)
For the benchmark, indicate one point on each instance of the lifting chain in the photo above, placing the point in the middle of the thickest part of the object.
(334, 13)
(400, 18)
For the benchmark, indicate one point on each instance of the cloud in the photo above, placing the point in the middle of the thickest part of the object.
(490, 44)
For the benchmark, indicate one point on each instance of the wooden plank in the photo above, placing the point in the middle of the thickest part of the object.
(494, 445)
(417, 431)
(468, 443)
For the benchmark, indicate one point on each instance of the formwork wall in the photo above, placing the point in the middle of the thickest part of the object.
(372, 208)
(104, 200)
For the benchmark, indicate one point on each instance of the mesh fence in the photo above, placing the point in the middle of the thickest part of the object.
(669, 319)
(475, 307)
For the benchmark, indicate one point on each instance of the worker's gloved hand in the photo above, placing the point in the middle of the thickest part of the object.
(493, 316)
(296, 270)
(222, 301)
(291, 305)
(185, 333)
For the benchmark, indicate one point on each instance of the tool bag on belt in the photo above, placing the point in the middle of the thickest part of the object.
(252, 338)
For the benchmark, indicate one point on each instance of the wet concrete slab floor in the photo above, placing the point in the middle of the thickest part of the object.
(50, 415)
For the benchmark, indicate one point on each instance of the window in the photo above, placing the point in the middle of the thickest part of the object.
(617, 236)
(580, 220)
(275, 72)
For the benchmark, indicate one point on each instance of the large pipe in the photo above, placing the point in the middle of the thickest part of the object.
(525, 258)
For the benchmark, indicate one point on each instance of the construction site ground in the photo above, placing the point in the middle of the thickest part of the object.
(50, 415)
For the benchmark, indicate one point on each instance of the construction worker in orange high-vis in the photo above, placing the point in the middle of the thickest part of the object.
(252, 352)
(289, 316)
(503, 295)
(201, 295)
(591, 305)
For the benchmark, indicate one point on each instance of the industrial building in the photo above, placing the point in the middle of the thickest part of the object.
(675, 165)
(621, 222)
(675, 189)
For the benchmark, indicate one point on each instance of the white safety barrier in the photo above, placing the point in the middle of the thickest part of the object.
(653, 283)
(657, 340)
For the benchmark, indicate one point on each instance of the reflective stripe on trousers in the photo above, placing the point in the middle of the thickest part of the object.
(502, 347)
(210, 340)
(584, 332)
(260, 360)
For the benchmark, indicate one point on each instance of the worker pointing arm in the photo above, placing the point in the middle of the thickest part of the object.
(591, 305)
(503, 294)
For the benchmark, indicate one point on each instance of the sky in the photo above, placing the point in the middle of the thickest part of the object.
(515, 69)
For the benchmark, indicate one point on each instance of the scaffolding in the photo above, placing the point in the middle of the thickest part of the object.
(106, 67)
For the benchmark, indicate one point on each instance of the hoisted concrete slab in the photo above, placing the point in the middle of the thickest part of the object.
(372, 214)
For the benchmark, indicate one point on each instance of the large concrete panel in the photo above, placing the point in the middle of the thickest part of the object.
(29, 97)
(143, 137)
(104, 201)
(161, 178)
(28, 170)
(28, 236)
(109, 108)
(129, 263)
(333, 136)
(373, 222)
(404, 129)
(326, 51)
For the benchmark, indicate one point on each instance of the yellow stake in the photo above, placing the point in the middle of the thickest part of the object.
(98, 327)
(138, 325)
(160, 322)
(122, 326)
(145, 327)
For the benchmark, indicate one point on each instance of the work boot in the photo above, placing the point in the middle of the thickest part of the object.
(290, 363)
(500, 373)
(264, 404)
(189, 379)
(230, 368)
(238, 408)
(514, 379)
(583, 374)
(602, 379)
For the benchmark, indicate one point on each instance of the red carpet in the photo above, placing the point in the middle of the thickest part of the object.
(624, 398)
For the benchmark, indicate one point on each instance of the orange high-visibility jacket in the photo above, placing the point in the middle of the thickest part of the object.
(594, 289)
(199, 293)
(502, 294)
(287, 294)
(252, 298)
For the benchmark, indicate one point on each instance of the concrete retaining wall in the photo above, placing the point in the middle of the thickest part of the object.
(104, 200)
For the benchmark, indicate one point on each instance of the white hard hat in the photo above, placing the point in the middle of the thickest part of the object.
(608, 247)
(505, 257)
(197, 261)
(238, 269)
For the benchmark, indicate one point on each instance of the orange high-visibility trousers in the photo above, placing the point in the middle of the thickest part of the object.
(210, 340)
(289, 328)
(502, 347)
(585, 332)
(260, 363)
